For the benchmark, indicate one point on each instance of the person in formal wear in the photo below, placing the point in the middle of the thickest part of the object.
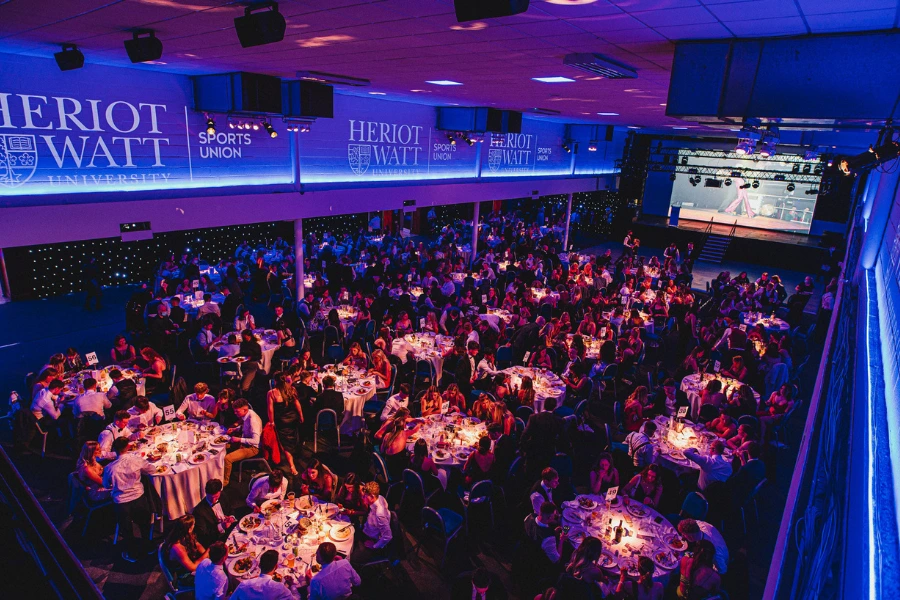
(205, 338)
(176, 312)
(89, 472)
(542, 490)
(694, 531)
(376, 532)
(199, 405)
(640, 448)
(210, 580)
(264, 587)
(208, 307)
(144, 413)
(244, 320)
(91, 403)
(479, 584)
(73, 362)
(466, 370)
(336, 578)
(328, 398)
(122, 392)
(713, 467)
(542, 528)
(272, 487)
(181, 551)
(246, 444)
(317, 480)
(748, 476)
(396, 402)
(252, 351)
(123, 477)
(211, 522)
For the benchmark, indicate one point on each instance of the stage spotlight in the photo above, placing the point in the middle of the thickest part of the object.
(755, 184)
(807, 169)
(305, 128)
(791, 187)
(727, 181)
(143, 49)
(592, 147)
(255, 126)
(210, 125)
(684, 160)
(795, 169)
(672, 177)
(745, 146)
(69, 58)
(567, 148)
(451, 138)
(770, 139)
(694, 182)
(262, 27)
(230, 123)
(818, 169)
(270, 130)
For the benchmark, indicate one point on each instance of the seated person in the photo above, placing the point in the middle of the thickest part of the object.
(422, 464)
(211, 522)
(316, 480)
(122, 392)
(199, 405)
(181, 550)
(45, 406)
(91, 403)
(336, 578)
(144, 414)
(479, 464)
(723, 426)
(273, 487)
(356, 357)
(645, 487)
(431, 401)
(90, 472)
(698, 578)
(349, 496)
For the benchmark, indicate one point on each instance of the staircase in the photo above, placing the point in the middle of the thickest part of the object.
(714, 248)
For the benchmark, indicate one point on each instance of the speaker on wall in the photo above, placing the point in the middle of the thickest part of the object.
(316, 100)
(476, 10)
(143, 49)
(258, 28)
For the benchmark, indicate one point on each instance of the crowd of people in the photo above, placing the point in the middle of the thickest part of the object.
(620, 331)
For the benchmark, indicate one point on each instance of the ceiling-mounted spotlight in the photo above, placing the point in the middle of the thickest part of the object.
(818, 169)
(256, 29)
(270, 130)
(230, 123)
(69, 58)
(791, 187)
(467, 139)
(684, 160)
(451, 138)
(770, 139)
(673, 177)
(592, 147)
(210, 125)
(255, 126)
(566, 147)
(795, 169)
(694, 182)
(305, 127)
(755, 184)
(728, 181)
(143, 49)
(807, 169)
(745, 146)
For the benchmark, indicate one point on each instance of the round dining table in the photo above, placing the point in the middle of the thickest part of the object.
(292, 527)
(74, 384)
(693, 386)
(771, 323)
(670, 443)
(646, 533)
(186, 455)
(268, 342)
(547, 384)
(423, 346)
(356, 387)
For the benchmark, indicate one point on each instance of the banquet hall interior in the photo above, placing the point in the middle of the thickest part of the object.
(449, 299)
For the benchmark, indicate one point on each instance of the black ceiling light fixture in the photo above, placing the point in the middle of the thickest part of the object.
(70, 58)
(728, 181)
(672, 177)
(791, 187)
(270, 130)
(755, 184)
(210, 125)
(143, 46)
(259, 28)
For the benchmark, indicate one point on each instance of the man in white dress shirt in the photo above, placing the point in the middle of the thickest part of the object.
(396, 402)
(264, 587)
(273, 487)
(337, 577)
(250, 430)
(118, 428)
(144, 413)
(377, 528)
(91, 402)
(210, 580)
(198, 405)
(123, 477)
(714, 467)
(44, 407)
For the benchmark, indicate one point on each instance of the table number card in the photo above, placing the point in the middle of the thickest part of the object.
(484, 298)
(345, 295)
(742, 327)
(198, 295)
(422, 324)
(526, 357)
(91, 358)
(682, 412)
(169, 412)
(195, 283)
(445, 407)
(603, 332)
(716, 366)
(611, 493)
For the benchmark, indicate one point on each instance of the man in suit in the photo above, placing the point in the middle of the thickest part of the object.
(329, 398)
(752, 471)
(669, 394)
(465, 369)
(525, 339)
(211, 522)
(543, 433)
(176, 313)
(229, 305)
(479, 584)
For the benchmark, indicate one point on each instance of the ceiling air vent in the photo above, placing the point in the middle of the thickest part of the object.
(599, 65)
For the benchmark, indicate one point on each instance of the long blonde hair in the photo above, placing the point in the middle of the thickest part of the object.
(639, 395)
(87, 454)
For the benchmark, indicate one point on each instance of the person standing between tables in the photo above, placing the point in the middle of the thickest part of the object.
(212, 524)
(250, 349)
(273, 487)
(210, 580)
(336, 578)
(542, 491)
(91, 403)
(250, 429)
(696, 531)
(264, 587)
(377, 528)
(199, 405)
(123, 477)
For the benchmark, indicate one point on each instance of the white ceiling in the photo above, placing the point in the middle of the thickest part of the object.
(399, 44)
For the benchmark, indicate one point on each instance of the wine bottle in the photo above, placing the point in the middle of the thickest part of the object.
(609, 530)
(620, 531)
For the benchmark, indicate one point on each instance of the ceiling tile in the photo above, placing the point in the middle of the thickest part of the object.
(675, 16)
(608, 23)
(631, 6)
(852, 21)
(761, 9)
(695, 32)
(766, 27)
(822, 7)
(565, 10)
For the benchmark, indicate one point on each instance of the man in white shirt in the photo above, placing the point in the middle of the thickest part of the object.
(144, 413)
(542, 491)
(210, 580)
(43, 406)
(118, 428)
(640, 448)
(448, 288)
(714, 467)
(250, 430)
(694, 531)
(273, 487)
(123, 477)
(209, 307)
(396, 402)
(264, 587)
(231, 347)
(91, 401)
(541, 529)
(377, 528)
(205, 337)
(198, 405)
(486, 367)
(337, 577)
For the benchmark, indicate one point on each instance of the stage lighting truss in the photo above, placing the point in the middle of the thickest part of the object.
(786, 168)
(298, 125)
(469, 137)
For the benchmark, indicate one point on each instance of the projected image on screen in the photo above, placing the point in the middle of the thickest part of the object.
(756, 203)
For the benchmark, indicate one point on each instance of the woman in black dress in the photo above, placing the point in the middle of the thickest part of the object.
(285, 411)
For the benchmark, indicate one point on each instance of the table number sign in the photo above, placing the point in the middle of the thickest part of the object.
(743, 327)
(169, 412)
(716, 366)
(682, 412)
(91, 358)
(195, 283)
(603, 332)
(445, 407)
(611, 493)
(198, 295)
(422, 324)
(525, 358)
(484, 298)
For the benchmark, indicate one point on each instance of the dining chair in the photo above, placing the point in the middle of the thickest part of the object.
(330, 420)
(441, 523)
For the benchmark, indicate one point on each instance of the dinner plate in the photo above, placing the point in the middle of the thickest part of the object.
(250, 523)
(224, 359)
(585, 503)
(341, 532)
(360, 391)
(570, 515)
(607, 560)
(637, 510)
(676, 543)
(271, 506)
(199, 458)
(305, 503)
(162, 470)
(219, 441)
(234, 567)
(664, 559)
(676, 454)
(235, 550)
(438, 458)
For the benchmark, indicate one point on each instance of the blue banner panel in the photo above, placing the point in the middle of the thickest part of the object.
(538, 150)
(105, 129)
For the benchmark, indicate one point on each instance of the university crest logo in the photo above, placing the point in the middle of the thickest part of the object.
(495, 159)
(360, 156)
(18, 159)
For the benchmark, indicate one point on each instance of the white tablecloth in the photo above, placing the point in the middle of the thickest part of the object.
(426, 346)
(453, 437)
(352, 384)
(494, 316)
(752, 319)
(546, 384)
(268, 341)
(670, 445)
(692, 385)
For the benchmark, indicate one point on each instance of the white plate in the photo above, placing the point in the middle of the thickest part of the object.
(259, 522)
